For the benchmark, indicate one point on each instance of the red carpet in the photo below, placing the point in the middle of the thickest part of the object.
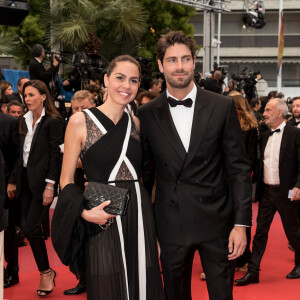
(276, 264)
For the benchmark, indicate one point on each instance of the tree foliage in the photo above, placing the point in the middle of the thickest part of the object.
(105, 27)
(24, 36)
(163, 17)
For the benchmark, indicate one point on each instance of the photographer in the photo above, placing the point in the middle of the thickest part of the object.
(213, 84)
(246, 83)
(249, 87)
(37, 69)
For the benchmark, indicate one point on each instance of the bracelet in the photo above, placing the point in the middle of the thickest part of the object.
(107, 224)
(49, 188)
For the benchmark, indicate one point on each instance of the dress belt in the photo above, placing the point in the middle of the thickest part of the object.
(272, 186)
(118, 181)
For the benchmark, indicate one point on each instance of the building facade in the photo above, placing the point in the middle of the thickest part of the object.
(257, 49)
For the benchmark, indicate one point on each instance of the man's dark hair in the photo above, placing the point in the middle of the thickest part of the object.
(254, 102)
(272, 94)
(8, 98)
(92, 88)
(16, 103)
(20, 79)
(172, 38)
(149, 94)
(37, 50)
(154, 82)
(296, 98)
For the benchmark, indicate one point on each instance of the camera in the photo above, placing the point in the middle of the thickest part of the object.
(59, 56)
(246, 81)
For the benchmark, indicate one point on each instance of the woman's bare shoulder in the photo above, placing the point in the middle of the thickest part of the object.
(77, 119)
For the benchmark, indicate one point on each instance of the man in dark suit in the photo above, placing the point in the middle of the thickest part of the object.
(295, 121)
(3, 216)
(278, 187)
(37, 69)
(213, 84)
(3, 212)
(10, 149)
(203, 193)
(19, 93)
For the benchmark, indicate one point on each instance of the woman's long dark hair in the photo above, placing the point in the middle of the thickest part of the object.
(50, 109)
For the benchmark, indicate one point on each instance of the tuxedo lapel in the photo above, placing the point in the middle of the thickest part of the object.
(202, 114)
(284, 143)
(264, 142)
(165, 121)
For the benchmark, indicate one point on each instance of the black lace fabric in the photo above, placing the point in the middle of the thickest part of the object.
(124, 173)
(93, 133)
(134, 131)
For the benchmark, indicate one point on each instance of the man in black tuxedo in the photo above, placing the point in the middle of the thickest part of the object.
(295, 121)
(37, 69)
(10, 149)
(203, 193)
(3, 216)
(213, 84)
(278, 178)
(19, 93)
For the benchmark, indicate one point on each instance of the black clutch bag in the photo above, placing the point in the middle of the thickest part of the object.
(96, 193)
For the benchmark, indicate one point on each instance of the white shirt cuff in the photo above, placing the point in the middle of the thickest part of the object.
(50, 181)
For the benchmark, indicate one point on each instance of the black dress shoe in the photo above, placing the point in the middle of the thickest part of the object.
(10, 281)
(78, 289)
(247, 279)
(294, 274)
(21, 244)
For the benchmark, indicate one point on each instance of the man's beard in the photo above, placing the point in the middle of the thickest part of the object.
(296, 115)
(181, 83)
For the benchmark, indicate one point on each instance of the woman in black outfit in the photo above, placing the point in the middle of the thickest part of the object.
(249, 126)
(41, 133)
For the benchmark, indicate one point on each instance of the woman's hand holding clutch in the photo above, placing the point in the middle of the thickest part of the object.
(97, 215)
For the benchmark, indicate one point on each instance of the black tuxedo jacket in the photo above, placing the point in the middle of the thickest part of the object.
(44, 159)
(211, 84)
(38, 71)
(9, 132)
(289, 162)
(3, 212)
(17, 94)
(201, 194)
(291, 122)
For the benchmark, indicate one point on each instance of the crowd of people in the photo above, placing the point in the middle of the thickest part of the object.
(186, 149)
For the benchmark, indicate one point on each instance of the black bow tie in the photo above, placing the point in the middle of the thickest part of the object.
(271, 132)
(187, 102)
(296, 123)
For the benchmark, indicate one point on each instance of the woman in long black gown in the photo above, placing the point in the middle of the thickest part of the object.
(122, 260)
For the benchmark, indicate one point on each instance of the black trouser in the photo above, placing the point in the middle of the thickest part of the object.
(271, 202)
(177, 262)
(10, 242)
(34, 213)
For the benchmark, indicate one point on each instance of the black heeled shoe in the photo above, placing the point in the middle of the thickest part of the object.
(44, 291)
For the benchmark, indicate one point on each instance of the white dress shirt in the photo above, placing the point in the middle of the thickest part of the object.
(183, 118)
(29, 136)
(271, 157)
(298, 120)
